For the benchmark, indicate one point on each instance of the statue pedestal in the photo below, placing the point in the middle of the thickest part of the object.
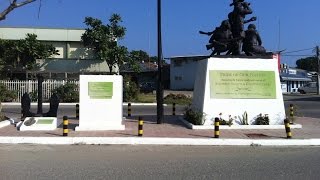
(100, 103)
(232, 86)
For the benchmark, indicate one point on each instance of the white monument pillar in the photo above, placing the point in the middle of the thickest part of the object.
(100, 103)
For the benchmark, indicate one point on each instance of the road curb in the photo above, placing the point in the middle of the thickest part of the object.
(157, 141)
(73, 104)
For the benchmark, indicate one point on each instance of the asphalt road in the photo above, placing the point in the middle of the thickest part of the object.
(307, 106)
(157, 162)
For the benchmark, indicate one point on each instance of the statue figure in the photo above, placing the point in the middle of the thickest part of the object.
(252, 42)
(25, 106)
(221, 38)
(54, 104)
(237, 21)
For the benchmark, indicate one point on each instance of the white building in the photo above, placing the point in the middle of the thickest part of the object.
(74, 58)
(293, 78)
(183, 72)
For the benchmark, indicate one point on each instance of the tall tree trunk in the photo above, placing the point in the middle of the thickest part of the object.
(110, 69)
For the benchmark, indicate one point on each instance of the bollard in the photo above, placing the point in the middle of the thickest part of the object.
(216, 128)
(65, 126)
(291, 113)
(174, 109)
(288, 130)
(77, 111)
(129, 109)
(140, 127)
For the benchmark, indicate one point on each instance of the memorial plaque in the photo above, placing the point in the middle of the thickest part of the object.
(242, 84)
(100, 90)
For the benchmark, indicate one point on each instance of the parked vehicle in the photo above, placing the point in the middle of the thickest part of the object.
(311, 87)
(147, 87)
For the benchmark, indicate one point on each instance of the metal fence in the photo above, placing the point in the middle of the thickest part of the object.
(31, 86)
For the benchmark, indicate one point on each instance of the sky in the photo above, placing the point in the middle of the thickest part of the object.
(290, 25)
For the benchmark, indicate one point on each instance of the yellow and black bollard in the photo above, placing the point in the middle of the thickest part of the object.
(77, 111)
(65, 126)
(288, 130)
(129, 109)
(291, 113)
(140, 127)
(216, 128)
(174, 109)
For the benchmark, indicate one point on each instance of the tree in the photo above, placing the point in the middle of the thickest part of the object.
(309, 64)
(13, 4)
(24, 53)
(103, 40)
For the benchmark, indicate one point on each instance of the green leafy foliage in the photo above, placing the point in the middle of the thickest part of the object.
(130, 90)
(223, 121)
(309, 63)
(195, 117)
(7, 95)
(244, 118)
(102, 39)
(178, 99)
(33, 96)
(262, 119)
(24, 53)
(67, 93)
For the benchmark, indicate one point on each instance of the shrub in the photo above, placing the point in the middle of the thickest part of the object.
(67, 93)
(194, 116)
(178, 99)
(244, 119)
(130, 90)
(6, 95)
(262, 120)
(33, 96)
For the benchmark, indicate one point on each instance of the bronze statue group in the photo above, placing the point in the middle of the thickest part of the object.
(231, 38)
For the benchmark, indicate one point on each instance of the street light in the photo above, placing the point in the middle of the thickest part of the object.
(159, 82)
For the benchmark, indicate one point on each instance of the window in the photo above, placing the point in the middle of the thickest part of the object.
(178, 78)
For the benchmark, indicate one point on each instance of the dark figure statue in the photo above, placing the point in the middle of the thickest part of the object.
(25, 106)
(54, 104)
(221, 38)
(252, 42)
(237, 21)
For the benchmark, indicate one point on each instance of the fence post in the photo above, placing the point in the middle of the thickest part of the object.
(287, 127)
(129, 109)
(65, 126)
(216, 128)
(174, 109)
(140, 127)
(77, 111)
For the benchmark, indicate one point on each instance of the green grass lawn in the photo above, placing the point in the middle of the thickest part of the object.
(151, 98)
(147, 98)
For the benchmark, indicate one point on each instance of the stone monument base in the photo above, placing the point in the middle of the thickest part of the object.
(229, 87)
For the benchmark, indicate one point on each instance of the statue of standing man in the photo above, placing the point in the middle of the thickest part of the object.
(237, 21)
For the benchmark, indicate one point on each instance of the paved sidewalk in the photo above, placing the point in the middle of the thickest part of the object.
(172, 128)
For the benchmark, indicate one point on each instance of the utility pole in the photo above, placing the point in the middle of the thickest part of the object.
(159, 83)
(318, 73)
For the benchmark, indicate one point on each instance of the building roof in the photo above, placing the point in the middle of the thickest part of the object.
(43, 34)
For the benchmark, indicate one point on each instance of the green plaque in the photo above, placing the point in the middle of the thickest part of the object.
(44, 121)
(242, 84)
(100, 90)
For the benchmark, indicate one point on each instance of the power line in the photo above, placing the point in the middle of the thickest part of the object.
(291, 55)
(299, 50)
